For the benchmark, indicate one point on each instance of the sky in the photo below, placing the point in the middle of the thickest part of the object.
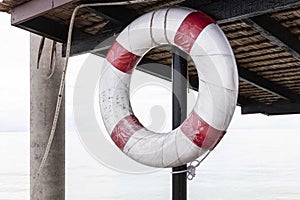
(14, 87)
(14, 76)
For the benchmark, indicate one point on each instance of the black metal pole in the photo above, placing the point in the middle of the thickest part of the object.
(179, 100)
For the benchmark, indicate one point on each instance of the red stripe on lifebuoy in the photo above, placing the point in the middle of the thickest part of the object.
(200, 132)
(124, 130)
(190, 29)
(122, 59)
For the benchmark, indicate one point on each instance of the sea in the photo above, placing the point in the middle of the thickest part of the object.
(246, 165)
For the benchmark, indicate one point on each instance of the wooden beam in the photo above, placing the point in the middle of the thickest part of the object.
(276, 33)
(101, 49)
(222, 11)
(244, 101)
(249, 106)
(156, 69)
(194, 82)
(103, 15)
(50, 29)
(165, 72)
(267, 85)
(35, 8)
(100, 42)
(231, 10)
(280, 108)
(120, 15)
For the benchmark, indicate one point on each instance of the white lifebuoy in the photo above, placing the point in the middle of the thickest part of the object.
(199, 36)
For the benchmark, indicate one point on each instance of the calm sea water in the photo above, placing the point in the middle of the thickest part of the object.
(247, 165)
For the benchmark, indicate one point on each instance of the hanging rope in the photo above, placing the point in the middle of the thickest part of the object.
(52, 56)
(63, 77)
(191, 169)
(41, 47)
(165, 25)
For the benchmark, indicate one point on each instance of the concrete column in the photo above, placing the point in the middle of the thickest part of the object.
(43, 96)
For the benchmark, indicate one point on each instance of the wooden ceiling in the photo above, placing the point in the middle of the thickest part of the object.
(264, 36)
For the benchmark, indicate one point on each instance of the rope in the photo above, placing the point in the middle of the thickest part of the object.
(151, 27)
(165, 25)
(53, 54)
(191, 169)
(63, 77)
(41, 47)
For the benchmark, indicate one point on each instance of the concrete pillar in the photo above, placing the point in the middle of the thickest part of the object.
(43, 96)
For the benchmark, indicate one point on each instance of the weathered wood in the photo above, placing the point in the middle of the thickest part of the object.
(118, 14)
(275, 32)
(47, 28)
(158, 70)
(244, 101)
(249, 106)
(280, 108)
(51, 29)
(222, 11)
(100, 42)
(103, 15)
(231, 10)
(35, 8)
(269, 86)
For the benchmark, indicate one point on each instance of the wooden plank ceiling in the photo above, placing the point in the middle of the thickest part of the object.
(264, 36)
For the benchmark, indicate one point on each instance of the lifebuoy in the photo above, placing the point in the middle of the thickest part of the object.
(199, 36)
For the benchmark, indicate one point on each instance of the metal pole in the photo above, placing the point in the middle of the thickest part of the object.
(179, 100)
(43, 96)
